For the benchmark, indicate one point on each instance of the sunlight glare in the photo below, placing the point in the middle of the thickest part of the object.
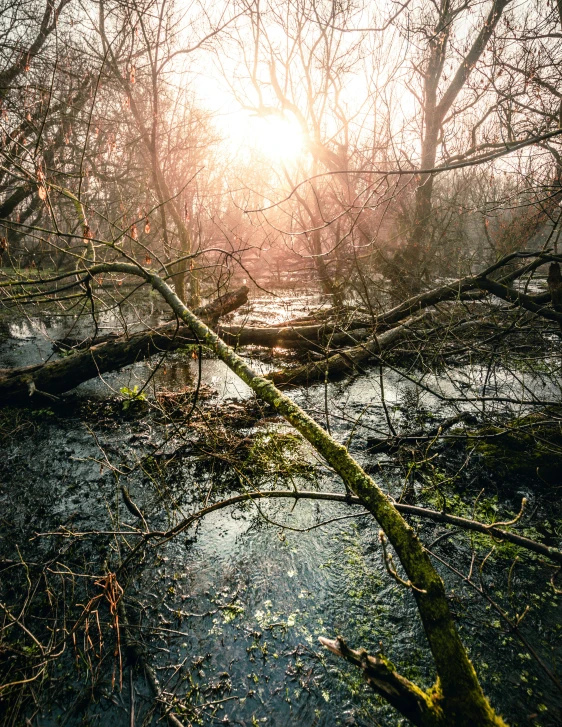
(275, 137)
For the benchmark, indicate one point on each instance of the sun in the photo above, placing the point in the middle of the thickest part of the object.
(272, 135)
(276, 137)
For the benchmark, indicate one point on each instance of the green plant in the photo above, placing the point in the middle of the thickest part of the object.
(131, 396)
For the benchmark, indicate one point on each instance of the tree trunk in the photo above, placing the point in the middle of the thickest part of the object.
(457, 699)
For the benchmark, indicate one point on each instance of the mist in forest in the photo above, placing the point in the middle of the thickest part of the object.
(280, 392)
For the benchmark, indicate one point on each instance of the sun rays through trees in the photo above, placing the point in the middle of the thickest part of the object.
(280, 399)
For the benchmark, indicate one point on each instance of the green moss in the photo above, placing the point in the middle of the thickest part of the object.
(276, 457)
(527, 447)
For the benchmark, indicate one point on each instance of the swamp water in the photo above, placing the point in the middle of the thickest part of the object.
(230, 611)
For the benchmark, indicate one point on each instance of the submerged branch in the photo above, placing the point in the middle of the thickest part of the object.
(491, 530)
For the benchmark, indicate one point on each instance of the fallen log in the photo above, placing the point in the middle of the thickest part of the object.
(210, 313)
(346, 361)
(113, 352)
(304, 337)
(470, 287)
(47, 381)
(314, 336)
(461, 699)
(529, 302)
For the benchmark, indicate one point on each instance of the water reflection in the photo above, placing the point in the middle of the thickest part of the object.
(238, 600)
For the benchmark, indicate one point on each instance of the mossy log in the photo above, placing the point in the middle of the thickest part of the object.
(418, 706)
(457, 699)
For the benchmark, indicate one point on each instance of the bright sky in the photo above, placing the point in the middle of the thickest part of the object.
(275, 137)
(278, 138)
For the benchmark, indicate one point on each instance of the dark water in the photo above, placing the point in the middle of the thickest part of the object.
(230, 611)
